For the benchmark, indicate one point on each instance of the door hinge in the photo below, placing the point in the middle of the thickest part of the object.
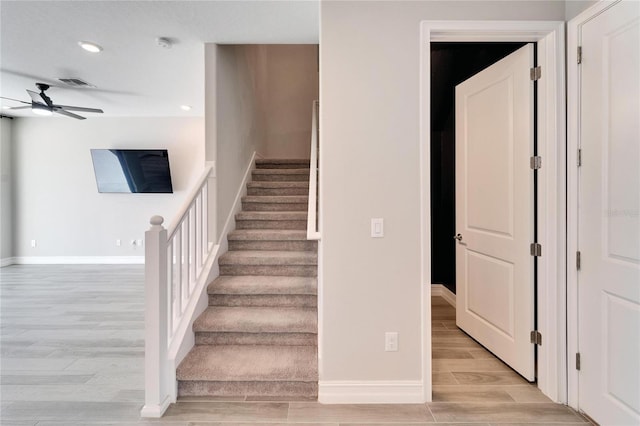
(535, 73)
(579, 54)
(579, 157)
(536, 162)
(536, 249)
(578, 361)
(578, 261)
(536, 338)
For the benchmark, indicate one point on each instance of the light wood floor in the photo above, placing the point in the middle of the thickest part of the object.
(72, 353)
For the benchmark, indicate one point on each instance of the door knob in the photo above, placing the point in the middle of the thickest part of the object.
(458, 237)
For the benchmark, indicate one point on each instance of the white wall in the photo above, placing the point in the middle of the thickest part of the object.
(369, 100)
(57, 201)
(6, 189)
(237, 121)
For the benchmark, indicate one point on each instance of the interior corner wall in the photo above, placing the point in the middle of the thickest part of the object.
(56, 199)
(370, 168)
(287, 84)
(238, 123)
(6, 189)
(574, 7)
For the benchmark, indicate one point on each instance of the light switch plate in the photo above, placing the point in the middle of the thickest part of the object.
(377, 227)
(391, 341)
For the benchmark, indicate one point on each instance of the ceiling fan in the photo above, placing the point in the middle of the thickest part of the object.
(42, 104)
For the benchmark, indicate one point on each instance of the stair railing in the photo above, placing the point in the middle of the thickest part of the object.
(313, 229)
(177, 262)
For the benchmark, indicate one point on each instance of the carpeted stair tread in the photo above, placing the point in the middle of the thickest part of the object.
(281, 175)
(267, 172)
(272, 216)
(279, 199)
(246, 363)
(278, 185)
(257, 320)
(267, 235)
(266, 163)
(258, 257)
(278, 188)
(260, 284)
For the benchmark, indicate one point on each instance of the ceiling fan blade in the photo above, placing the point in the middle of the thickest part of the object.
(68, 114)
(35, 96)
(82, 109)
(16, 100)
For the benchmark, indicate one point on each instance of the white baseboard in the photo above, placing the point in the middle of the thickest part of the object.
(155, 411)
(78, 260)
(371, 392)
(7, 261)
(230, 223)
(445, 293)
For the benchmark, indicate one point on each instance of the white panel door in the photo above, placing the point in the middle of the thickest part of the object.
(609, 217)
(495, 210)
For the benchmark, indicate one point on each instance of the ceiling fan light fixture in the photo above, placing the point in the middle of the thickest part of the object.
(41, 111)
(90, 47)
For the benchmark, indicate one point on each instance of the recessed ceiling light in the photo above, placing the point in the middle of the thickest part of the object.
(185, 107)
(90, 47)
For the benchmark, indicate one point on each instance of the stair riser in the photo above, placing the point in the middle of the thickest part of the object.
(277, 339)
(275, 300)
(271, 224)
(258, 177)
(274, 207)
(271, 270)
(277, 191)
(248, 389)
(273, 245)
(283, 166)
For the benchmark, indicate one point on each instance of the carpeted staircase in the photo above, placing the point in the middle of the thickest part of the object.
(258, 337)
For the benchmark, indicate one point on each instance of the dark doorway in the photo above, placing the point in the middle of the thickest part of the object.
(451, 64)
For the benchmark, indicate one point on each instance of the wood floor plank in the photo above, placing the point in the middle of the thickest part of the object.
(501, 412)
(316, 412)
(488, 377)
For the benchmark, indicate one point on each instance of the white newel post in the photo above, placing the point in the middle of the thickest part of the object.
(157, 394)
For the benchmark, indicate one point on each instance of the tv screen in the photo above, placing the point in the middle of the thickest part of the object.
(132, 170)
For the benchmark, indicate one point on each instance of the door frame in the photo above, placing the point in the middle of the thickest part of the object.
(573, 142)
(551, 291)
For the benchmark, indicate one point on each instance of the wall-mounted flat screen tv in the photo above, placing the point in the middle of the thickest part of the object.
(132, 170)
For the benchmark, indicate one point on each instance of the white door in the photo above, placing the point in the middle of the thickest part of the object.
(495, 209)
(609, 217)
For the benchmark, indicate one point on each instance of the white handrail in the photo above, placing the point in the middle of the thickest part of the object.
(313, 231)
(176, 262)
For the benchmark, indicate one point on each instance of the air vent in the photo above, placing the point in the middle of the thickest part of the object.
(76, 82)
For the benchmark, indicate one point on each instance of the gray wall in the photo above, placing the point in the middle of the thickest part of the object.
(259, 99)
(370, 167)
(6, 189)
(57, 201)
(237, 121)
(287, 84)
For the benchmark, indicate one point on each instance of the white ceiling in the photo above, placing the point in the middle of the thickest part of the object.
(133, 75)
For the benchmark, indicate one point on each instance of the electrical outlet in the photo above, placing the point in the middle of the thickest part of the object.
(34, 243)
(139, 243)
(391, 341)
(118, 243)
